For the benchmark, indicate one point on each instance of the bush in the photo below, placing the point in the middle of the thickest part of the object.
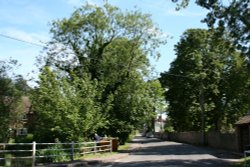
(24, 139)
(54, 153)
(168, 127)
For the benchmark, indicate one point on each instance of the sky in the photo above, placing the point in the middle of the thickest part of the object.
(29, 20)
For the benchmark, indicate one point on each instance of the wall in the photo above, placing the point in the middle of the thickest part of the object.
(213, 139)
(186, 137)
(224, 141)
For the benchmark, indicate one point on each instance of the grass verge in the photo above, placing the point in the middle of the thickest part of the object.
(242, 163)
(107, 154)
(124, 147)
(97, 155)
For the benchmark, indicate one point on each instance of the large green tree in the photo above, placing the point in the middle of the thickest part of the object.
(203, 88)
(231, 17)
(111, 47)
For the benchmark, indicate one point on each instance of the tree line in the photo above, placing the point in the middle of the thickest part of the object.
(208, 82)
(12, 88)
(95, 76)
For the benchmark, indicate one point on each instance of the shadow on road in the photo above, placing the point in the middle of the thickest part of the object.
(174, 163)
(140, 140)
(155, 153)
(172, 148)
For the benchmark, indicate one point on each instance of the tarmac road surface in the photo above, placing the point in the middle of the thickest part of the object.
(151, 152)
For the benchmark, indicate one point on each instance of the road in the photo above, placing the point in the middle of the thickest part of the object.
(150, 152)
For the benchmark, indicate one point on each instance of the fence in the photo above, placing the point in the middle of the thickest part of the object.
(27, 154)
(218, 140)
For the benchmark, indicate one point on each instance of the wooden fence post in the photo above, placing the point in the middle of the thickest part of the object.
(95, 148)
(111, 145)
(33, 154)
(72, 151)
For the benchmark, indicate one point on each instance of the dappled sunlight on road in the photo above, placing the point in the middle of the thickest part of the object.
(153, 152)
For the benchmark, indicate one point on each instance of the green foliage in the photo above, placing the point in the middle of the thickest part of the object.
(10, 99)
(134, 105)
(16, 162)
(94, 78)
(168, 127)
(54, 153)
(203, 77)
(69, 108)
(6, 89)
(230, 17)
(24, 139)
(242, 162)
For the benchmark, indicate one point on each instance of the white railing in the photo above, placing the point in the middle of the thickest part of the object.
(38, 151)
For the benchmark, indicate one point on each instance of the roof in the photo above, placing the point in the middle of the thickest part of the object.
(243, 120)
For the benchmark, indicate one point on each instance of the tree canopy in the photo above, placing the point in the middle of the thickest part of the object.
(231, 17)
(209, 80)
(95, 73)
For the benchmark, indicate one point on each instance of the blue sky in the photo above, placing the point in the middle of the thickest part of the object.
(29, 20)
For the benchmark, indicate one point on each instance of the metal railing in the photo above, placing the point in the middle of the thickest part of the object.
(43, 152)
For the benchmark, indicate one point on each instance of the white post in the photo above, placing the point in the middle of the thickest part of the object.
(33, 154)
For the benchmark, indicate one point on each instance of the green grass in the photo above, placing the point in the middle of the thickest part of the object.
(105, 154)
(99, 155)
(242, 162)
(124, 147)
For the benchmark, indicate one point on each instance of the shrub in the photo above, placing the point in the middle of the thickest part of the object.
(54, 153)
(24, 139)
